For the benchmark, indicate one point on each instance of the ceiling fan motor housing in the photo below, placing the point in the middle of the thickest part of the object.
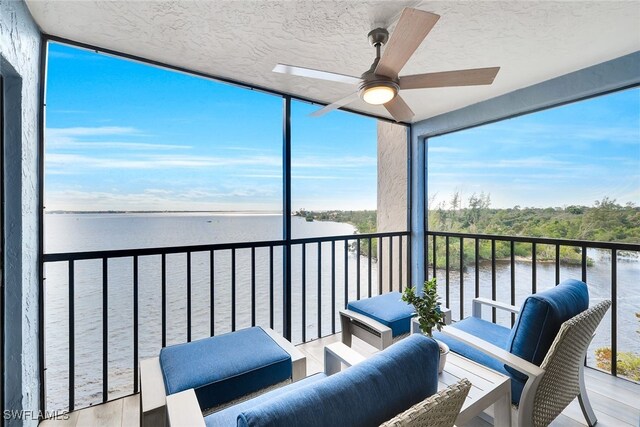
(378, 37)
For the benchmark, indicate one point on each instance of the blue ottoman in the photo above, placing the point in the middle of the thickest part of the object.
(225, 367)
(380, 320)
(223, 370)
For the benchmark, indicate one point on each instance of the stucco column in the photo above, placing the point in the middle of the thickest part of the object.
(392, 199)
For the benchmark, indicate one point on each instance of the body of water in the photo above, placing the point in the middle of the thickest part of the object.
(89, 232)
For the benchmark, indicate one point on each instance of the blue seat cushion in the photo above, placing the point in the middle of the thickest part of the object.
(366, 394)
(229, 416)
(225, 367)
(388, 309)
(540, 318)
(490, 332)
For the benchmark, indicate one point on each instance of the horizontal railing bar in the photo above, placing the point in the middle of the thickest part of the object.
(542, 240)
(122, 253)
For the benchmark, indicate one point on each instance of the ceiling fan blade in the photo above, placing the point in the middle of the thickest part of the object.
(315, 74)
(399, 109)
(471, 77)
(340, 103)
(412, 28)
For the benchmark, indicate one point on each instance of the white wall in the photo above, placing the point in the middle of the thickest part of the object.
(19, 56)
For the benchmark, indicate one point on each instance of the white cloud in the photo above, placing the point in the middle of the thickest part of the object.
(87, 138)
(155, 161)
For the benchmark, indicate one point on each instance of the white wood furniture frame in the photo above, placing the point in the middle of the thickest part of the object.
(532, 371)
(153, 395)
(371, 331)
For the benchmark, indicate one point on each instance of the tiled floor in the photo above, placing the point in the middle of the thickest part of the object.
(615, 401)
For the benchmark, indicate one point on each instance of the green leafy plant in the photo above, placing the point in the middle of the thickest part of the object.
(427, 306)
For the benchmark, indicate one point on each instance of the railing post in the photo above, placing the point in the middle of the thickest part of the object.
(286, 213)
(614, 312)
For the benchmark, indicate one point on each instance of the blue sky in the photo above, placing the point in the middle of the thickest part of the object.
(127, 136)
(574, 154)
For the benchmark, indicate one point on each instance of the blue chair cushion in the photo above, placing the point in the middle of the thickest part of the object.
(366, 394)
(540, 318)
(225, 367)
(388, 309)
(495, 334)
(229, 416)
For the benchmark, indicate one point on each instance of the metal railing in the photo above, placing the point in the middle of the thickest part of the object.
(462, 243)
(362, 247)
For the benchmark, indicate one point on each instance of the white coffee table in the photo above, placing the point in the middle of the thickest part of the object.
(488, 387)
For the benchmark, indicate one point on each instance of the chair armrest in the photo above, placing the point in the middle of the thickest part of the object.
(183, 410)
(524, 366)
(476, 308)
(366, 321)
(365, 328)
(337, 353)
(298, 360)
(152, 393)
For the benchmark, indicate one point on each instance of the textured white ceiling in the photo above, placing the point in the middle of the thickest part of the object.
(243, 40)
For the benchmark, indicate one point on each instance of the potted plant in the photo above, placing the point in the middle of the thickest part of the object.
(428, 311)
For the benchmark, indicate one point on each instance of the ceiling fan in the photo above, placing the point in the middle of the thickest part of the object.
(380, 84)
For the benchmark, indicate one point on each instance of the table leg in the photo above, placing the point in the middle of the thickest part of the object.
(502, 410)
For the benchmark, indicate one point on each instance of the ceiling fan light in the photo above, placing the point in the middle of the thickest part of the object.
(377, 95)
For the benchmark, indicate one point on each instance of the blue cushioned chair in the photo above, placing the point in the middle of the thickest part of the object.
(519, 352)
(380, 320)
(222, 370)
(369, 393)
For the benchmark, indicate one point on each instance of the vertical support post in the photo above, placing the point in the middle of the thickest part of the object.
(493, 278)
(212, 292)
(304, 292)
(135, 324)
(534, 271)
(433, 254)
(188, 296)
(105, 330)
(346, 271)
(584, 264)
(319, 283)
(477, 266)
(390, 263)
(163, 262)
(512, 254)
(41, 271)
(253, 286)
(72, 337)
(379, 265)
(333, 286)
(418, 184)
(369, 272)
(400, 262)
(358, 268)
(286, 216)
(557, 264)
(614, 312)
(461, 278)
(233, 289)
(447, 289)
